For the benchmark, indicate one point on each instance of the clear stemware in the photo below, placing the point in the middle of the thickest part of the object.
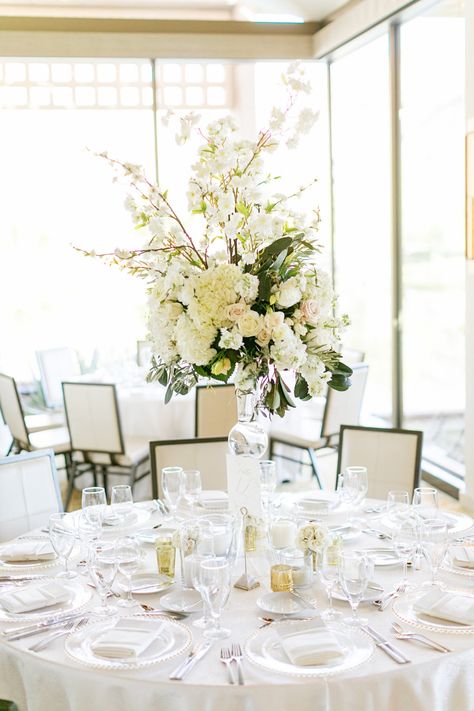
(268, 482)
(397, 505)
(103, 567)
(128, 559)
(425, 502)
(354, 576)
(62, 534)
(434, 541)
(94, 504)
(122, 501)
(405, 544)
(195, 570)
(192, 486)
(356, 478)
(172, 484)
(330, 563)
(215, 590)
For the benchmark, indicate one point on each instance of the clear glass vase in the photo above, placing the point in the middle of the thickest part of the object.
(247, 437)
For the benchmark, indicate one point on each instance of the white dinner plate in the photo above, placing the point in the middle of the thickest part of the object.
(264, 649)
(147, 583)
(280, 603)
(80, 596)
(382, 556)
(369, 595)
(151, 535)
(9, 567)
(182, 601)
(456, 522)
(405, 610)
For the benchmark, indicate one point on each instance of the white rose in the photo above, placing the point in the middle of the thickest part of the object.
(250, 324)
(274, 319)
(289, 294)
(236, 311)
(263, 337)
(310, 310)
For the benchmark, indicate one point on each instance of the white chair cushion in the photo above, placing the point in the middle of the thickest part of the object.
(137, 450)
(45, 421)
(56, 439)
(300, 433)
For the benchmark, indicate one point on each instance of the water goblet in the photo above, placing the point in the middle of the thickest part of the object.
(128, 555)
(122, 502)
(329, 574)
(192, 486)
(62, 534)
(397, 505)
(268, 482)
(215, 590)
(195, 572)
(405, 544)
(425, 502)
(172, 484)
(354, 572)
(94, 504)
(356, 479)
(103, 566)
(434, 541)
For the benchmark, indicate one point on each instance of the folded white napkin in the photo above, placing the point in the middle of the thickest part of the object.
(111, 519)
(26, 551)
(463, 556)
(447, 606)
(309, 643)
(213, 499)
(35, 597)
(126, 639)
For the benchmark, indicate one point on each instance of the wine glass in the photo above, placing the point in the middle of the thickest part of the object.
(128, 558)
(354, 573)
(122, 501)
(405, 544)
(268, 482)
(346, 492)
(425, 502)
(192, 485)
(397, 505)
(62, 534)
(356, 479)
(103, 569)
(330, 562)
(195, 561)
(215, 590)
(172, 484)
(434, 541)
(94, 504)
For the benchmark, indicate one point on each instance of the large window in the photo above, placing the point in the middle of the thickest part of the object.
(432, 198)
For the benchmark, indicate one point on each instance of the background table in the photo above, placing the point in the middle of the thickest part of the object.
(49, 681)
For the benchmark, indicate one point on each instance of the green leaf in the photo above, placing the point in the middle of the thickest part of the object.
(301, 388)
(275, 248)
(339, 383)
(169, 393)
(264, 286)
(243, 209)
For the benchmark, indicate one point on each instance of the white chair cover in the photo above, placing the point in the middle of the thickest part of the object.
(29, 492)
(93, 417)
(216, 410)
(12, 410)
(392, 457)
(207, 454)
(56, 365)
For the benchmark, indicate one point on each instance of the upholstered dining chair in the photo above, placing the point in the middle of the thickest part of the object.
(207, 454)
(215, 410)
(56, 365)
(352, 356)
(93, 419)
(302, 432)
(29, 492)
(28, 432)
(392, 457)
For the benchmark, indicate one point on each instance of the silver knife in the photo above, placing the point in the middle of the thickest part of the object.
(14, 635)
(192, 659)
(386, 646)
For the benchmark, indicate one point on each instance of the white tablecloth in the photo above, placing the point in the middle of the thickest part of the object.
(48, 681)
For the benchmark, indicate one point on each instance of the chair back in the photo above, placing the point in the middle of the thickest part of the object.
(93, 418)
(29, 492)
(343, 408)
(12, 410)
(207, 454)
(144, 353)
(352, 356)
(215, 410)
(56, 365)
(392, 457)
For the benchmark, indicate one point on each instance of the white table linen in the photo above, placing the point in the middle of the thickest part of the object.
(49, 681)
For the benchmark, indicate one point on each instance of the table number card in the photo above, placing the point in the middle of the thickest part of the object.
(243, 484)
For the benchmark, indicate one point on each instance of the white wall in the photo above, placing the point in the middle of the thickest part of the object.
(468, 497)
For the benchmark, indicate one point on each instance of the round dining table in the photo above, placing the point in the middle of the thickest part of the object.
(50, 680)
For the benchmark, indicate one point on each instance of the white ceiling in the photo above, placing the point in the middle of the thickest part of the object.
(254, 10)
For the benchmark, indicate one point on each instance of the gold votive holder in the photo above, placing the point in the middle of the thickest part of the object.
(281, 578)
(166, 556)
(251, 532)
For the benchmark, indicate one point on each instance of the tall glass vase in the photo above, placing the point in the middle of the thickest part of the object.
(247, 437)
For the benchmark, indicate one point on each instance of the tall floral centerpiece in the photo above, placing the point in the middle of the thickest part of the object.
(235, 289)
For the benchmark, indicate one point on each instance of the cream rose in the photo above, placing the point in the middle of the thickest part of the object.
(250, 323)
(236, 311)
(310, 310)
(274, 319)
(263, 337)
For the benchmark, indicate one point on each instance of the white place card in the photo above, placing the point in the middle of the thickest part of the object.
(243, 484)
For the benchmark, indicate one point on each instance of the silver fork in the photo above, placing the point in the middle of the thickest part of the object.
(400, 633)
(68, 627)
(237, 657)
(226, 658)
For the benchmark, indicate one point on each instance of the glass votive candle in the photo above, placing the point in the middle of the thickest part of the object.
(166, 555)
(282, 533)
(281, 578)
(300, 564)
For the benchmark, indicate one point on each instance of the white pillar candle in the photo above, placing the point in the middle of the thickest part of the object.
(282, 533)
(221, 541)
(188, 563)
